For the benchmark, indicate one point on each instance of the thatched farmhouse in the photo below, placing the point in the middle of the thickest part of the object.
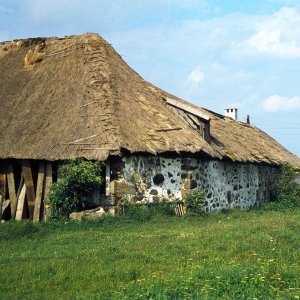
(75, 97)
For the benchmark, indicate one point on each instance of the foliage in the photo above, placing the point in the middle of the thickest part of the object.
(285, 192)
(286, 184)
(144, 212)
(165, 207)
(237, 255)
(78, 178)
(195, 202)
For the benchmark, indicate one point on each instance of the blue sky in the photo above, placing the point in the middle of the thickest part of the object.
(214, 53)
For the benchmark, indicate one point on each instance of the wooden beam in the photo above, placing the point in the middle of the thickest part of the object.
(20, 187)
(168, 129)
(11, 189)
(188, 108)
(1, 202)
(3, 179)
(106, 149)
(93, 115)
(85, 138)
(107, 177)
(48, 183)
(30, 193)
(58, 166)
(21, 200)
(72, 144)
(39, 192)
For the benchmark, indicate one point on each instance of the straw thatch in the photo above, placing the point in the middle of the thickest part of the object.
(79, 98)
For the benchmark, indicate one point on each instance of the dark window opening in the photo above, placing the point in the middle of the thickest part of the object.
(229, 197)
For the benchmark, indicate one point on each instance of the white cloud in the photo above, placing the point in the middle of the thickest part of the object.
(278, 34)
(196, 77)
(278, 103)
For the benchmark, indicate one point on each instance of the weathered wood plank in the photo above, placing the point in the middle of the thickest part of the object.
(106, 149)
(48, 183)
(30, 193)
(11, 189)
(21, 201)
(85, 138)
(39, 192)
(187, 108)
(107, 177)
(3, 179)
(1, 202)
(169, 129)
(20, 187)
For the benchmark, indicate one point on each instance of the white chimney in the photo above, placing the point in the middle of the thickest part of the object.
(231, 113)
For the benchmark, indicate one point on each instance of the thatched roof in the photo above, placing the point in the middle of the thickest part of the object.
(75, 96)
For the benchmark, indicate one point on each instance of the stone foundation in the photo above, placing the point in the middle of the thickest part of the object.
(226, 184)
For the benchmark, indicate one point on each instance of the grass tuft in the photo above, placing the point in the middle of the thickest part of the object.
(33, 57)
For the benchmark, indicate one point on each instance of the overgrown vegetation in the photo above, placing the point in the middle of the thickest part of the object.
(195, 202)
(143, 212)
(232, 255)
(285, 192)
(78, 178)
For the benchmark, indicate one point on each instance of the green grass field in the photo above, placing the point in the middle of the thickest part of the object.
(234, 255)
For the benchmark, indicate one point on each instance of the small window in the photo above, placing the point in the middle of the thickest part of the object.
(232, 110)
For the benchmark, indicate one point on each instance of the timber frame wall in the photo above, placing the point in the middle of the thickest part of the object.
(24, 185)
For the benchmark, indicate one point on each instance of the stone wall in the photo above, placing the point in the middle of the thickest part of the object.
(227, 184)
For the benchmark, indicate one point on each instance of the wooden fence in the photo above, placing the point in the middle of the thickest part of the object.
(24, 185)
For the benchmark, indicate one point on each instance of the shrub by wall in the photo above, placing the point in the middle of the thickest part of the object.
(78, 178)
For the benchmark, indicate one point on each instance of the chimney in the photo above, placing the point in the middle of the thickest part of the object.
(231, 113)
(248, 119)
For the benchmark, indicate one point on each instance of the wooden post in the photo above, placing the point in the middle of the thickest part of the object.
(107, 177)
(20, 187)
(39, 192)
(30, 193)
(1, 202)
(58, 172)
(48, 183)
(11, 189)
(21, 200)
(2, 179)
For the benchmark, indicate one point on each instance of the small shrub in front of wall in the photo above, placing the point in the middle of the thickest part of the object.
(195, 202)
(137, 212)
(145, 211)
(78, 178)
(285, 192)
(164, 207)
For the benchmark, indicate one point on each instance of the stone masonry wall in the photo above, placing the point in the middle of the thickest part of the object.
(227, 184)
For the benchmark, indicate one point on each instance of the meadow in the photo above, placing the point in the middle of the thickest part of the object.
(234, 255)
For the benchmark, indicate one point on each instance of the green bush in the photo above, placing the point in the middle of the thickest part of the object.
(164, 207)
(137, 212)
(78, 178)
(195, 202)
(144, 212)
(286, 185)
(285, 191)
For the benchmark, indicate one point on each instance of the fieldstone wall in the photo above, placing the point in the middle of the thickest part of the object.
(227, 184)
